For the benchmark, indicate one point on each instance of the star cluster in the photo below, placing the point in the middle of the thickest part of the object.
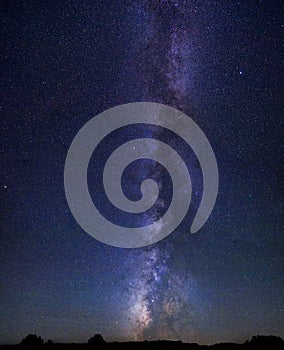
(63, 63)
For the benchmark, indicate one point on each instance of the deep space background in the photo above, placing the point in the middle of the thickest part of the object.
(62, 63)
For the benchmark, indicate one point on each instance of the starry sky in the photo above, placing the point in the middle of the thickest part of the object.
(63, 62)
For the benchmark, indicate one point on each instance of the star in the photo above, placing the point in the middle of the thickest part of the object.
(71, 60)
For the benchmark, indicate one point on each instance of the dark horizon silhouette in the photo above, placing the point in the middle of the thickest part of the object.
(97, 342)
(66, 63)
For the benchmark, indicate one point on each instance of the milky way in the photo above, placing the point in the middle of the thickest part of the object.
(160, 305)
(64, 62)
(168, 46)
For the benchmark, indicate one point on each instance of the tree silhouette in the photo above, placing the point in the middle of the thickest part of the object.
(32, 340)
(96, 339)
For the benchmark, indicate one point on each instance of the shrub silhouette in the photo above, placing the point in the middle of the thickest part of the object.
(267, 341)
(32, 340)
(96, 339)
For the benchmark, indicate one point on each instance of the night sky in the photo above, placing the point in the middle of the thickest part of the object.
(219, 62)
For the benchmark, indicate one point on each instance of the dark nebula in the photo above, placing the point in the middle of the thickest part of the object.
(63, 62)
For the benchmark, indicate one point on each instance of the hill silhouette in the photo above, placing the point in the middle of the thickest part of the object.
(32, 341)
